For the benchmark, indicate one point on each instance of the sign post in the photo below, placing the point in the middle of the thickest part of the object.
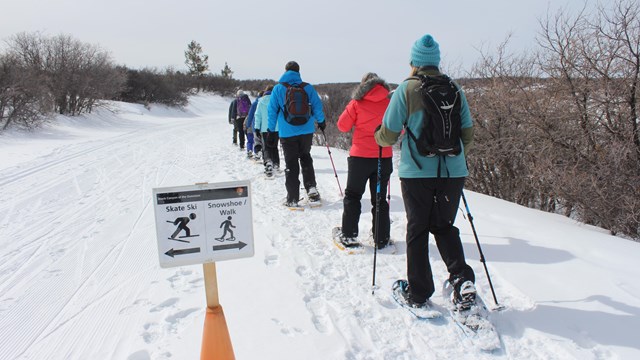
(202, 224)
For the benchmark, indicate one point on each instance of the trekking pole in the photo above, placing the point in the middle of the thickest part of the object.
(332, 164)
(377, 224)
(389, 192)
(484, 263)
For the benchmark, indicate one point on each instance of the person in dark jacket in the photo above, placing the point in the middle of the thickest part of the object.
(431, 188)
(237, 119)
(363, 114)
(296, 139)
(233, 108)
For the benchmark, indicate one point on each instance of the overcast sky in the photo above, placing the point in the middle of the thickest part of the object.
(332, 40)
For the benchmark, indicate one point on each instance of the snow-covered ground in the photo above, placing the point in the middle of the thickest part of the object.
(80, 279)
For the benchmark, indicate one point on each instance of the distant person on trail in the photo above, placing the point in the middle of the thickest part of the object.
(431, 184)
(364, 114)
(293, 106)
(238, 111)
(248, 127)
(232, 117)
(271, 156)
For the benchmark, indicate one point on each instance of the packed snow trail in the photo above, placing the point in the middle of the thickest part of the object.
(79, 273)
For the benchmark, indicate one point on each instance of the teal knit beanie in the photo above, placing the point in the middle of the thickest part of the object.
(425, 51)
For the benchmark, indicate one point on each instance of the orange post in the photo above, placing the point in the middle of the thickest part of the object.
(216, 342)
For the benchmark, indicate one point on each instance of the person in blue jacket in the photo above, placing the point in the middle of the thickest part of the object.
(248, 126)
(296, 139)
(271, 156)
(431, 187)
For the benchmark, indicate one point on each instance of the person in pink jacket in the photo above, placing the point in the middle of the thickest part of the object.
(363, 114)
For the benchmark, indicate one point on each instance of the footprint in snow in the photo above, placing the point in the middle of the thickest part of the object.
(272, 259)
(139, 355)
(165, 304)
(319, 314)
(174, 320)
(288, 330)
(150, 333)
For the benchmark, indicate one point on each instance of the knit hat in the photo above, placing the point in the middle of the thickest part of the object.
(293, 66)
(239, 93)
(425, 52)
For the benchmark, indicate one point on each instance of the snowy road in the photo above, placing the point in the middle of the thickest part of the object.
(79, 274)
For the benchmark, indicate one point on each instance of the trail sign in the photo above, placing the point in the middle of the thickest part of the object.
(203, 223)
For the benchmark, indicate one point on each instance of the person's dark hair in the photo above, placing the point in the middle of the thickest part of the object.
(293, 66)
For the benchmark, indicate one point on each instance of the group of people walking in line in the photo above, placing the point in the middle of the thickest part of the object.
(431, 188)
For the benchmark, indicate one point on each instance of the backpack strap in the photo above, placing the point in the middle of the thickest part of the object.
(415, 140)
(287, 85)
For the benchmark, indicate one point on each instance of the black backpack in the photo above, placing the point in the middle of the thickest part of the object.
(440, 133)
(296, 104)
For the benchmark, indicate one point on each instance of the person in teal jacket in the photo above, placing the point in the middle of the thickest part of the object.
(431, 186)
(296, 139)
(271, 158)
(248, 127)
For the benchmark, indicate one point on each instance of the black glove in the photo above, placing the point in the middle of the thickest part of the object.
(258, 134)
(322, 125)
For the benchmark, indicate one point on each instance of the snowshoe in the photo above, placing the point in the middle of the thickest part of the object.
(472, 318)
(424, 310)
(293, 205)
(350, 245)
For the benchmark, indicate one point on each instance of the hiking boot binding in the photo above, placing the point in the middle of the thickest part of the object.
(463, 296)
(402, 287)
(348, 241)
(313, 194)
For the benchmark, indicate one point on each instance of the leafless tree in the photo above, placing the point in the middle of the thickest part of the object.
(557, 129)
(77, 74)
(24, 101)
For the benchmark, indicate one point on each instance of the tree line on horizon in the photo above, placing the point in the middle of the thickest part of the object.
(556, 128)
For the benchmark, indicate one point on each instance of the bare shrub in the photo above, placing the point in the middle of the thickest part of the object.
(558, 130)
(24, 100)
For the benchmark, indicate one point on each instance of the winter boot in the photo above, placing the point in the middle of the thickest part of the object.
(463, 295)
(346, 241)
(268, 170)
(313, 195)
(293, 205)
(401, 287)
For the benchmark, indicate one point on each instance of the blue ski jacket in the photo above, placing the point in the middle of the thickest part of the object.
(275, 111)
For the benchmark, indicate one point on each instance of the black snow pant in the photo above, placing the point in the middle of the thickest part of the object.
(257, 145)
(238, 131)
(271, 148)
(298, 148)
(431, 205)
(363, 170)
